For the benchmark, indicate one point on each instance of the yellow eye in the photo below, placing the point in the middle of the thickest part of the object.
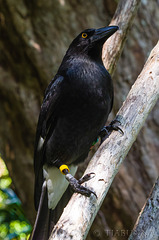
(84, 35)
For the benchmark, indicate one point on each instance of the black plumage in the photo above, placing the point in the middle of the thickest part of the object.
(75, 108)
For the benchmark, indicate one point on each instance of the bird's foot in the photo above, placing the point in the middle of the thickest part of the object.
(76, 184)
(106, 130)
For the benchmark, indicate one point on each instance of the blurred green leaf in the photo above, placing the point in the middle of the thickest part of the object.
(13, 224)
(5, 182)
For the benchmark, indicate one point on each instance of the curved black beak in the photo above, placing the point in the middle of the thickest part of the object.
(104, 33)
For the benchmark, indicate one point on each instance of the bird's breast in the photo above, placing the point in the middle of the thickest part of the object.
(87, 86)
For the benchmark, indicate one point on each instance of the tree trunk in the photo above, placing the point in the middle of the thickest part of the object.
(34, 37)
(147, 224)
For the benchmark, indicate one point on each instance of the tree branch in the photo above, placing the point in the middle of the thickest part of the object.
(79, 214)
(147, 224)
(123, 17)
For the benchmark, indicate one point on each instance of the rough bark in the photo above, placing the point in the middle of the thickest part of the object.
(147, 225)
(79, 214)
(123, 17)
(34, 36)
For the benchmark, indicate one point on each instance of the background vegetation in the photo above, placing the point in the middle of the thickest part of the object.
(13, 223)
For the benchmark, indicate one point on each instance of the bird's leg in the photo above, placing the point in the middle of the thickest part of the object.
(106, 130)
(76, 184)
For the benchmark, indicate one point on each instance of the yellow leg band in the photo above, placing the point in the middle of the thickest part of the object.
(63, 167)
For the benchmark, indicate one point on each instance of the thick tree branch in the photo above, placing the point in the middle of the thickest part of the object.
(123, 17)
(79, 214)
(147, 225)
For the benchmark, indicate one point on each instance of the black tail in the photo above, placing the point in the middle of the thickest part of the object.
(47, 218)
(42, 224)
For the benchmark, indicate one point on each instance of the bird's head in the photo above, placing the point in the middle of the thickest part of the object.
(90, 42)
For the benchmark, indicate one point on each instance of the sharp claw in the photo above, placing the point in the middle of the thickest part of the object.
(106, 130)
(119, 130)
(76, 184)
(84, 191)
(86, 177)
(116, 128)
(94, 193)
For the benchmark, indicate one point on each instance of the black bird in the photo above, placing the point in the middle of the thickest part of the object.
(75, 108)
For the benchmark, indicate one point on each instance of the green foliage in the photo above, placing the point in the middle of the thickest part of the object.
(13, 224)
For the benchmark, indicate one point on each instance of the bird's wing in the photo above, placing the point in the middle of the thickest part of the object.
(47, 119)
